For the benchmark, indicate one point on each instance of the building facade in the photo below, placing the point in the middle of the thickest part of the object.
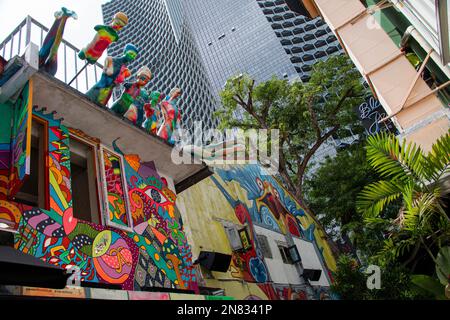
(85, 191)
(243, 212)
(160, 30)
(401, 49)
(261, 38)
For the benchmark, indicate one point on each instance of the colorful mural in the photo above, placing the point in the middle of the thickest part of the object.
(156, 253)
(21, 139)
(6, 114)
(245, 195)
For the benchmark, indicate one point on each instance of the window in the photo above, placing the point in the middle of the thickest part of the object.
(83, 167)
(117, 212)
(285, 255)
(32, 191)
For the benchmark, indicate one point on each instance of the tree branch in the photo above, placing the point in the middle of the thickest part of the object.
(315, 122)
(341, 101)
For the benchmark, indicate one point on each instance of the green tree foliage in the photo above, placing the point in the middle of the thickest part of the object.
(332, 190)
(350, 283)
(307, 114)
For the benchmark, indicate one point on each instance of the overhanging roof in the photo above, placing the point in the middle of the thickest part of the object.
(18, 268)
(99, 122)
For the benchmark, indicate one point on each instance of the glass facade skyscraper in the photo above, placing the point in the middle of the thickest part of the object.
(305, 41)
(160, 30)
(261, 38)
(234, 37)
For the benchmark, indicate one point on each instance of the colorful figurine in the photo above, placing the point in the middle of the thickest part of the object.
(104, 37)
(153, 112)
(131, 102)
(48, 55)
(3, 63)
(171, 115)
(115, 72)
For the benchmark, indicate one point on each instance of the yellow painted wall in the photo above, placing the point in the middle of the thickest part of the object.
(203, 205)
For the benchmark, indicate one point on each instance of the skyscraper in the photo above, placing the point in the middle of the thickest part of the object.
(160, 29)
(261, 38)
(305, 41)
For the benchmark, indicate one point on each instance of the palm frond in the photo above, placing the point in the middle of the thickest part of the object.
(393, 161)
(417, 217)
(373, 198)
(438, 159)
(393, 249)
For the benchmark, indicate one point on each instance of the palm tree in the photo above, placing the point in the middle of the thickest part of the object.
(415, 180)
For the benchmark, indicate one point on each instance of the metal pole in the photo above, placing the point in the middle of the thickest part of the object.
(28, 33)
(78, 73)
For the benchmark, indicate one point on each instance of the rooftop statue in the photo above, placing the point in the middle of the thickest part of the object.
(153, 112)
(48, 55)
(171, 114)
(106, 34)
(115, 72)
(131, 102)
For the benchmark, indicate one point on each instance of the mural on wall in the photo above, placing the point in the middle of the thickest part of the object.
(275, 208)
(244, 197)
(370, 113)
(154, 254)
(6, 114)
(21, 139)
(247, 265)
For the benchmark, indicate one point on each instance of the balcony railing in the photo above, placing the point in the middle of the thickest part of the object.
(30, 30)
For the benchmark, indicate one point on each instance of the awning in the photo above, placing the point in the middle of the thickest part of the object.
(20, 269)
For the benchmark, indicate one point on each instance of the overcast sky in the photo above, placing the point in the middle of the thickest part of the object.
(78, 32)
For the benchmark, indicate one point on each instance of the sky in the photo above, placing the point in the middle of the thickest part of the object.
(78, 32)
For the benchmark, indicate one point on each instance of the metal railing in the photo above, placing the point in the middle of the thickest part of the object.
(30, 30)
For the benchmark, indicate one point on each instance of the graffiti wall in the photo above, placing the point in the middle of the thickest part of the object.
(245, 196)
(154, 253)
(15, 147)
(21, 139)
(6, 114)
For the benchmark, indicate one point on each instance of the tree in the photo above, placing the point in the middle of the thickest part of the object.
(332, 190)
(307, 114)
(417, 181)
(350, 283)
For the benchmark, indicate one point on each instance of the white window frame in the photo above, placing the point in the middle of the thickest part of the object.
(105, 211)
